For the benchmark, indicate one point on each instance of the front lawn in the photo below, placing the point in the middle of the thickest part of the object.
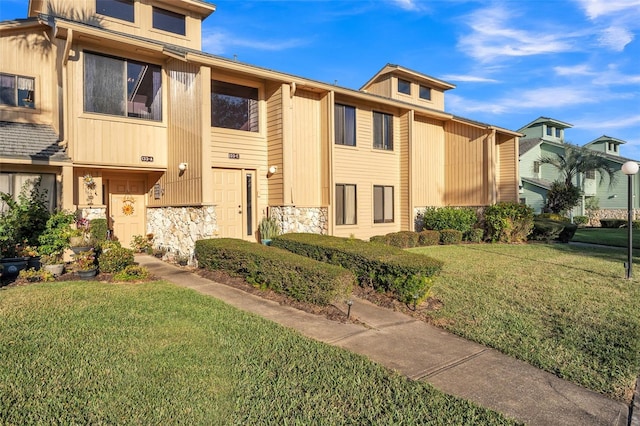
(562, 308)
(617, 237)
(97, 353)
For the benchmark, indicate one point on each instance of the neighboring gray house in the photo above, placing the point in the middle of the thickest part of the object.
(546, 136)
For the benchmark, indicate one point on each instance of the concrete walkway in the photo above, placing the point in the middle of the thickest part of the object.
(423, 352)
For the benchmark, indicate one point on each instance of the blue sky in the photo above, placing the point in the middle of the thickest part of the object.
(512, 61)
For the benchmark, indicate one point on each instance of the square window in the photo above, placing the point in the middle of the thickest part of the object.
(17, 91)
(119, 9)
(382, 204)
(425, 93)
(404, 86)
(234, 106)
(345, 125)
(166, 20)
(383, 131)
(345, 204)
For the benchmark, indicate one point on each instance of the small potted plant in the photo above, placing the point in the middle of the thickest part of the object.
(55, 240)
(268, 228)
(79, 239)
(31, 254)
(84, 264)
(53, 263)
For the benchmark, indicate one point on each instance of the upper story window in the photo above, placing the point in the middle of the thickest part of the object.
(613, 147)
(404, 86)
(425, 93)
(169, 21)
(536, 167)
(119, 9)
(346, 204)
(590, 174)
(234, 106)
(16, 90)
(549, 131)
(123, 87)
(382, 204)
(383, 131)
(557, 132)
(345, 117)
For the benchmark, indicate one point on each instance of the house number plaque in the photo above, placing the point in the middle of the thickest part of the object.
(234, 156)
(146, 159)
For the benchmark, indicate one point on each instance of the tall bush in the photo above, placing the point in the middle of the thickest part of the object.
(508, 222)
(459, 218)
(55, 238)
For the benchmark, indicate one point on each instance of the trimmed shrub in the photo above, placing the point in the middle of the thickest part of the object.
(428, 237)
(297, 276)
(450, 236)
(407, 275)
(612, 223)
(508, 222)
(98, 229)
(115, 259)
(475, 235)
(581, 220)
(554, 216)
(547, 229)
(402, 239)
(439, 218)
(132, 273)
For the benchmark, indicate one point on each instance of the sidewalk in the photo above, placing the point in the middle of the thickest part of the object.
(423, 352)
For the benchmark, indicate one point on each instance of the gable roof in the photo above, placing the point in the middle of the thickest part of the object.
(30, 141)
(528, 144)
(605, 138)
(547, 120)
(541, 183)
(402, 71)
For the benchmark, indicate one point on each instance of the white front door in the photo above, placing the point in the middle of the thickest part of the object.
(234, 197)
(127, 209)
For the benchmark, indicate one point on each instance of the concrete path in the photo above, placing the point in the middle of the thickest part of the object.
(423, 352)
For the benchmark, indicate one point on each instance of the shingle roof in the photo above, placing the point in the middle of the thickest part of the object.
(32, 141)
(527, 144)
(542, 183)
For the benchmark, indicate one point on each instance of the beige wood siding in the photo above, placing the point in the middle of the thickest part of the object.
(428, 158)
(306, 151)
(507, 168)
(113, 140)
(365, 167)
(27, 53)
(184, 124)
(382, 86)
(402, 194)
(274, 142)
(437, 95)
(466, 165)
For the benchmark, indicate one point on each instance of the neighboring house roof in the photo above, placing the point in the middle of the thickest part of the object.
(542, 183)
(31, 141)
(547, 120)
(605, 138)
(528, 144)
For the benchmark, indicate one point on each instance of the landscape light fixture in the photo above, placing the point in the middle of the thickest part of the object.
(630, 168)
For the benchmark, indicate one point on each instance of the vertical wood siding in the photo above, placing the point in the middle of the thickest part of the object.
(274, 142)
(507, 173)
(403, 213)
(428, 159)
(467, 164)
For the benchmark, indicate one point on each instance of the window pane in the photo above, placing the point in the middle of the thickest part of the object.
(425, 93)
(26, 92)
(388, 142)
(377, 130)
(339, 204)
(382, 131)
(8, 89)
(345, 125)
(120, 9)
(5, 186)
(549, 131)
(234, 106)
(104, 84)
(249, 190)
(144, 97)
(350, 205)
(388, 203)
(339, 123)
(168, 21)
(378, 204)
(404, 86)
(557, 133)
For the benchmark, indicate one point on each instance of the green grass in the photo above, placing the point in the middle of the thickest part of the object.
(562, 308)
(617, 237)
(93, 353)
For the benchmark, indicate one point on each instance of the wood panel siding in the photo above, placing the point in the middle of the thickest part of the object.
(467, 162)
(28, 53)
(437, 95)
(403, 210)
(273, 94)
(306, 151)
(427, 162)
(382, 86)
(507, 168)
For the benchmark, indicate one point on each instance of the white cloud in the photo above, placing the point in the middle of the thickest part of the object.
(220, 42)
(609, 124)
(616, 38)
(597, 8)
(573, 70)
(468, 78)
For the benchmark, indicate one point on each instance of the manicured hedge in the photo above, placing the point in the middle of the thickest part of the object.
(428, 237)
(402, 239)
(612, 223)
(548, 229)
(407, 275)
(450, 236)
(284, 272)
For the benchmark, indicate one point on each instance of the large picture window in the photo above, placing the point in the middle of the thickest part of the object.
(383, 131)
(345, 117)
(17, 91)
(119, 9)
(382, 204)
(345, 204)
(166, 20)
(234, 106)
(122, 87)
(14, 183)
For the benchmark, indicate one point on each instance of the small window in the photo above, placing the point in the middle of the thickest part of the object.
(345, 117)
(382, 204)
(234, 106)
(383, 131)
(590, 174)
(404, 86)
(425, 93)
(119, 9)
(345, 204)
(523, 201)
(166, 20)
(557, 132)
(17, 91)
(536, 167)
(549, 131)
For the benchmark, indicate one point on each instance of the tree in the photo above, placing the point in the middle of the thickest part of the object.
(573, 161)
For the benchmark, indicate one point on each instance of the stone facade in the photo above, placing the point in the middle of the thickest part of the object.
(596, 215)
(301, 219)
(176, 229)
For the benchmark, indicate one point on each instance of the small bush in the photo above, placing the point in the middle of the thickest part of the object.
(508, 222)
(33, 276)
(132, 273)
(581, 220)
(450, 236)
(115, 259)
(428, 237)
(439, 218)
(612, 223)
(402, 239)
(98, 229)
(548, 230)
(475, 235)
(142, 244)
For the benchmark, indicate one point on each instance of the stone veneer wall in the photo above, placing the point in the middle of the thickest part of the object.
(91, 213)
(301, 219)
(596, 215)
(176, 229)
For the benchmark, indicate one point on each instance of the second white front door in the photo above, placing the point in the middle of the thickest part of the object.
(234, 197)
